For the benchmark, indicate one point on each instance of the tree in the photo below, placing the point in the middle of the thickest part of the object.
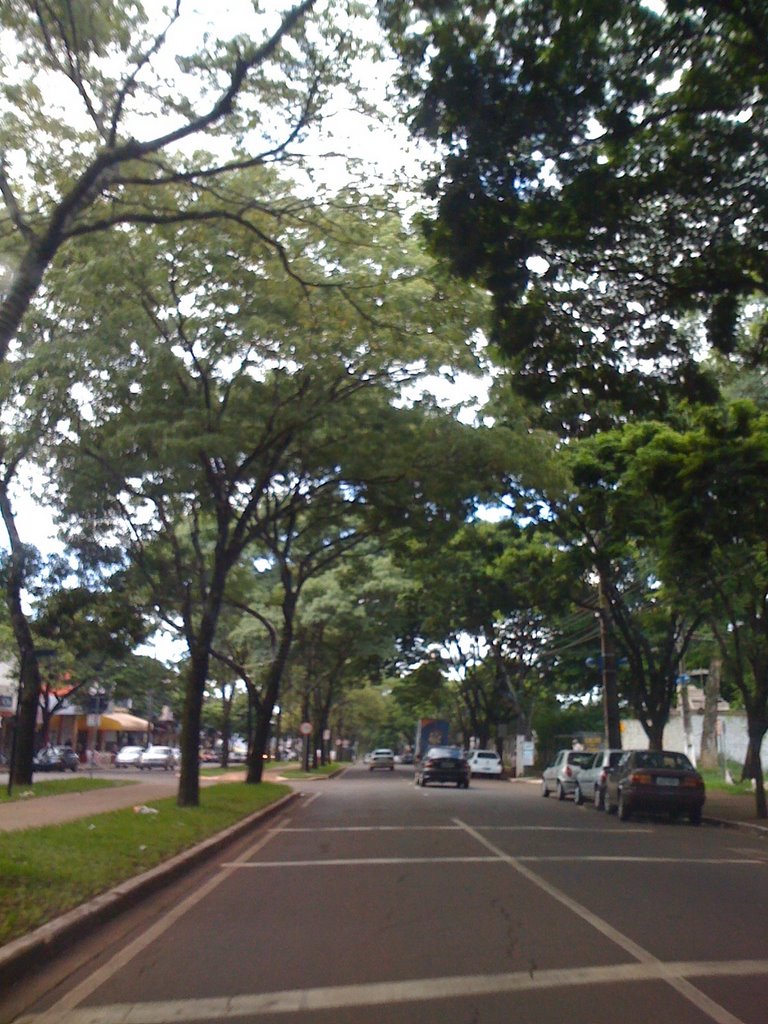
(601, 170)
(108, 69)
(76, 162)
(210, 427)
(710, 475)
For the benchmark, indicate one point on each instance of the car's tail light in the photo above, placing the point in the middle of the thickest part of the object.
(693, 782)
(640, 779)
(603, 777)
(429, 763)
(568, 771)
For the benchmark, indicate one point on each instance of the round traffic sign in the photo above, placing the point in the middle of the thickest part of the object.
(305, 728)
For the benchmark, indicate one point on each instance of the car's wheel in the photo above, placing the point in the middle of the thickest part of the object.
(544, 790)
(578, 796)
(624, 810)
(599, 799)
(694, 816)
(560, 791)
(415, 780)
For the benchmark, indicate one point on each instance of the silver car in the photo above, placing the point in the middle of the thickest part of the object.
(590, 782)
(560, 776)
(382, 758)
(157, 757)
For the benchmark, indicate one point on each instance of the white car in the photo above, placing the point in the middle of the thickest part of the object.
(128, 757)
(484, 762)
(382, 758)
(157, 757)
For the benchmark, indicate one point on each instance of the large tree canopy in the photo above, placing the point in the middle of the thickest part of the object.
(602, 167)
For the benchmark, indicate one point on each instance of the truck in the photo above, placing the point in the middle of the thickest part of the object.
(431, 732)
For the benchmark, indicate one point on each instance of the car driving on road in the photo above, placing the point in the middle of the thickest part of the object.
(655, 781)
(383, 757)
(443, 764)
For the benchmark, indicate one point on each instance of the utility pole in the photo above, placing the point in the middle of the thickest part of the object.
(611, 718)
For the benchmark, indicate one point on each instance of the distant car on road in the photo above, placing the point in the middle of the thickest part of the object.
(560, 776)
(656, 781)
(590, 782)
(383, 757)
(157, 757)
(443, 764)
(128, 757)
(485, 762)
(55, 759)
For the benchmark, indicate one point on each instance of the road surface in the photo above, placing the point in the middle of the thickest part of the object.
(375, 901)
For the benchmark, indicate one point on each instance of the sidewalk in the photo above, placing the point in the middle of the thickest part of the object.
(37, 811)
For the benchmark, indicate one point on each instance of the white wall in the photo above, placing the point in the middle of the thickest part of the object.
(734, 738)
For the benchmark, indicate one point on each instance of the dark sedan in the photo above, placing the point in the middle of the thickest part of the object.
(55, 759)
(655, 781)
(443, 764)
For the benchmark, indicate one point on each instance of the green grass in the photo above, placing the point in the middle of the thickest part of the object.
(53, 787)
(715, 780)
(47, 871)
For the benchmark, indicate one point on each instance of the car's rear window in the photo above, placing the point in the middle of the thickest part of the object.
(583, 758)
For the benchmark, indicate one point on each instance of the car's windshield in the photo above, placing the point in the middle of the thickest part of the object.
(669, 759)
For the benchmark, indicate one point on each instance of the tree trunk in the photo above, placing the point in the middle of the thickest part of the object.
(29, 672)
(271, 693)
(753, 767)
(708, 753)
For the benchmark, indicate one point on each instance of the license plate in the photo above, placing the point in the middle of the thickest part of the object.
(667, 782)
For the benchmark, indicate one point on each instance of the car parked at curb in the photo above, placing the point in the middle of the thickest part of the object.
(560, 776)
(590, 782)
(443, 764)
(128, 757)
(383, 757)
(485, 762)
(55, 759)
(657, 782)
(157, 757)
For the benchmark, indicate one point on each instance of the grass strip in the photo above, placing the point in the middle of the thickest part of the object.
(55, 787)
(47, 871)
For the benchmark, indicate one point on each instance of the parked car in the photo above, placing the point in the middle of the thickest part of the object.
(383, 757)
(560, 776)
(157, 757)
(484, 762)
(590, 782)
(656, 781)
(443, 764)
(128, 757)
(55, 759)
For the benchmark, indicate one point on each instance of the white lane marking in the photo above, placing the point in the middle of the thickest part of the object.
(311, 1000)
(355, 861)
(708, 1006)
(56, 1013)
(481, 828)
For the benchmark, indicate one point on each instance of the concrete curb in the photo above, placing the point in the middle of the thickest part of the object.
(23, 954)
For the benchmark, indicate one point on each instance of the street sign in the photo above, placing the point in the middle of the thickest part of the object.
(305, 728)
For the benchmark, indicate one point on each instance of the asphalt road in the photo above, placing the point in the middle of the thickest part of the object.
(373, 901)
